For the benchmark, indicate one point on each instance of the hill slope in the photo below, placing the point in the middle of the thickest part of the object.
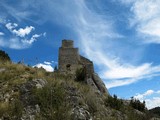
(155, 111)
(34, 94)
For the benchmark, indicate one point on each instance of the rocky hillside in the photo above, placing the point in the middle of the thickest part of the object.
(28, 93)
(155, 112)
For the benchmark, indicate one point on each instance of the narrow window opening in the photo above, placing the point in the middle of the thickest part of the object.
(68, 67)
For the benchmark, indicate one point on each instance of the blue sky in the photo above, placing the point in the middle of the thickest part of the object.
(121, 37)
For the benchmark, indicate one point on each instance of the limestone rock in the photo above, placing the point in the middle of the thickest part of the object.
(99, 83)
(2, 69)
(91, 83)
(80, 113)
(40, 83)
(30, 112)
(31, 108)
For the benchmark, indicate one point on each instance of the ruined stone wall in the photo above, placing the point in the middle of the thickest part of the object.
(68, 57)
(88, 64)
(67, 44)
(70, 60)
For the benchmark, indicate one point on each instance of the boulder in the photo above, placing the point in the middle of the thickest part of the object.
(80, 113)
(99, 83)
(2, 69)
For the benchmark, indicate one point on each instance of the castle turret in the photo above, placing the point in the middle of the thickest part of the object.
(68, 57)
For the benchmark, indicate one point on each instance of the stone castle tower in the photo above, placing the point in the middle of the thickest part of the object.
(70, 60)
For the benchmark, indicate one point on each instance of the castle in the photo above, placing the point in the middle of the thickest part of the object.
(70, 60)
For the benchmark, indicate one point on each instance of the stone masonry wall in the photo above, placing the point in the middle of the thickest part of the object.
(70, 60)
(88, 64)
(68, 57)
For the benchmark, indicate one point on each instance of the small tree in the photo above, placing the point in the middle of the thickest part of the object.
(114, 102)
(136, 104)
(55, 68)
(81, 74)
(4, 56)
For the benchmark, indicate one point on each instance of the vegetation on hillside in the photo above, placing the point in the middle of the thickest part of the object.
(61, 97)
(114, 102)
(136, 104)
(4, 56)
(155, 112)
(81, 74)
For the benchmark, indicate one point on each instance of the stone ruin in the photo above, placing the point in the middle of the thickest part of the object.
(70, 60)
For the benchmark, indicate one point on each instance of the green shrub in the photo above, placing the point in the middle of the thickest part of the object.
(114, 102)
(16, 109)
(81, 74)
(11, 110)
(55, 68)
(52, 103)
(4, 56)
(136, 104)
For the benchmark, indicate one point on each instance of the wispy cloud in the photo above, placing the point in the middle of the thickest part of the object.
(145, 18)
(151, 98)
(125, 75)
(1, 33)
(147, 93)
(31, 40)
(47, 63)
(97, 35)
(18, 12)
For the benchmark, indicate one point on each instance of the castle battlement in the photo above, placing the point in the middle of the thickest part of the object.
(67, 44)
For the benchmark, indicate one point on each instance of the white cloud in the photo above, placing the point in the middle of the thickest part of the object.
(115, 83)
(19, 12)
(17, 43)
(31, 40)
(147, 93)
(21, 38)
(13, 43)
(158, 92)
(47, 63)
(54, 62)
(11, 26)
(1, 33)
(124, 75)
(152, 103)
(150, 97)
(127, 71)
(47, 66)
(146, 17)
(21, 32)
